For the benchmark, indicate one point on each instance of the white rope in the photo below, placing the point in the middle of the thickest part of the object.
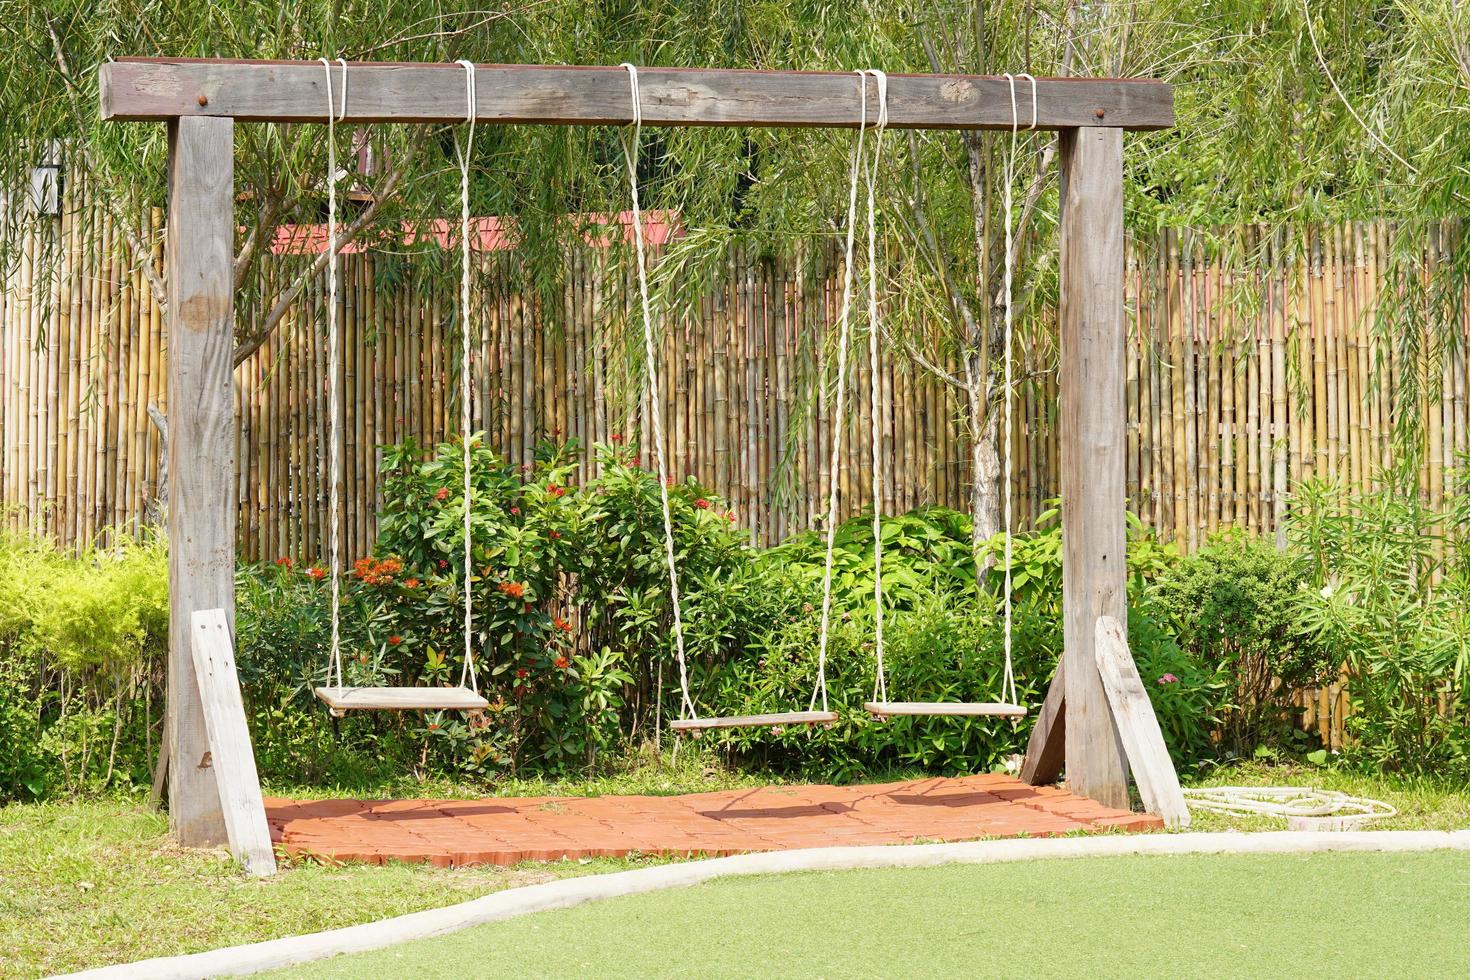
(1008, 681)
(1288, 802)
(630, 157)
(870, 170)
(467, 672)
(334, 369)
(844, 336)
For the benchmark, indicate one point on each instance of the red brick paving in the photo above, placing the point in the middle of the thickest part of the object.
(507, 831)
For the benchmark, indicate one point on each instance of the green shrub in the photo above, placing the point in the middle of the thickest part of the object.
(619, 582)
(1389, 597)
(1233, 605)
(24, 769)
(1189, 695)
(82, 644)
(946, 647)
(944, 642)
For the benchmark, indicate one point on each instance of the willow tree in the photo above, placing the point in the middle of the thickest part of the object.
(1288, 111)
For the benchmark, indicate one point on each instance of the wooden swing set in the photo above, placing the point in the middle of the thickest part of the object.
(1095, 720)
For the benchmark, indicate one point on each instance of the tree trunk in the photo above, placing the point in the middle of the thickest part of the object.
(985, 489)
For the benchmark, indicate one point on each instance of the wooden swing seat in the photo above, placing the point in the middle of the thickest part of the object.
(344, 699)
(755, 721)
(971, 709)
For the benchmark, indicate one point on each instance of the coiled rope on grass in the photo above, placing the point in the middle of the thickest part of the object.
(1302, 807)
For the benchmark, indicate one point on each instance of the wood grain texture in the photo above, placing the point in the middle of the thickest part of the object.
(1046, 750)
(1094, 522)
(233, 759)
(295, 91)
(201, 514)
(341, 699)
(1148, 756)
(755, 721)
(974, 709)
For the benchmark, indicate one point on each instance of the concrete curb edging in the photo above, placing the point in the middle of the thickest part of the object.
(275, 953)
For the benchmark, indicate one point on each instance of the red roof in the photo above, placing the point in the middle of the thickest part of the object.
(490, 234)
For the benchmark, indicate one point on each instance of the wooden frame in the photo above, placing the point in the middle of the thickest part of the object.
(295, 91)
(201, 100)
(232, 760)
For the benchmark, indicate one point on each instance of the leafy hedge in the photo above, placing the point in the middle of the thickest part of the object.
(944, 641)
(574, 634)
(82, 640)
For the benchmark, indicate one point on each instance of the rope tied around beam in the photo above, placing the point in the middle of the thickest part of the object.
(655, 412)
(1008, 680)
(844, 327)
(467, 671)
(334, 369)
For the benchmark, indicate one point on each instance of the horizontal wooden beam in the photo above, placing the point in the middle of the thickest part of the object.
(295, 91)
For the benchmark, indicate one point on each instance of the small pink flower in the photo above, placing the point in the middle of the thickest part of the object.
(1168, 679)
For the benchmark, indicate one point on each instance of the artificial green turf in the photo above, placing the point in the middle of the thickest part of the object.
(1307, 915)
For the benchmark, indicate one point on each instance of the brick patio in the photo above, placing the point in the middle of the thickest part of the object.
(507, 831)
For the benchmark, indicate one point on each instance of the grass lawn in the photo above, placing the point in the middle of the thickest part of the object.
(1246, 915)
(86, 884)
(91, 883)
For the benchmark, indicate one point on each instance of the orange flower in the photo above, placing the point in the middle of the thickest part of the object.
(394, 640)
(378, 572)
(702, 504)
(562, 662)
(616, 437)
(284, 562)
(433, 726)
(513, 589)
(442, 494)
(555, 490)
(562, 625)
(410, 583)
(554, 535)
(317, 572)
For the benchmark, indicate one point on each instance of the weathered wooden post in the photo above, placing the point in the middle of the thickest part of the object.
(1094, 517)
(201, 513)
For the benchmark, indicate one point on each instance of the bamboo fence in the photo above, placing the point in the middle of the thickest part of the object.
(1229, 404)
(1240, 382)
